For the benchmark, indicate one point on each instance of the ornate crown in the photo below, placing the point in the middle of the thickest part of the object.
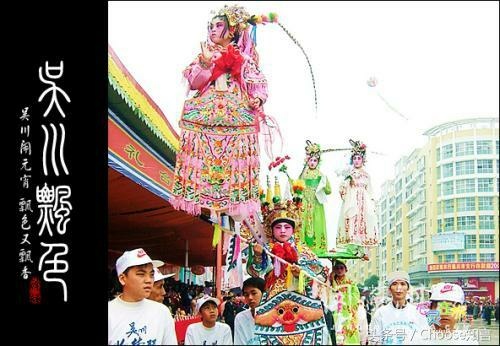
(275, 208)
(236, 15)
(358, 148)
(312, 149)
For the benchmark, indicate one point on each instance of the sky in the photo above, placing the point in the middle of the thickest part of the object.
(434, 62)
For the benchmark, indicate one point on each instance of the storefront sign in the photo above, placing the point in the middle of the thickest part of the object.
(462, 266)
(448, 241)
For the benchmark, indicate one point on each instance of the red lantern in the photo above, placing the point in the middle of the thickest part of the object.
(198, 270)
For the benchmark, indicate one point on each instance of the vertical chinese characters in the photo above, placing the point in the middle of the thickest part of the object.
(53, 200)
(24, 203)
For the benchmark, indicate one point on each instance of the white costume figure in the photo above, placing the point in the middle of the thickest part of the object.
(358, 221)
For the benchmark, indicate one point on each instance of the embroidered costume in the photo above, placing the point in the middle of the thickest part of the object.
(218, 164)
(345, 314)
(317, 186)
(290, 312)
(358, 220)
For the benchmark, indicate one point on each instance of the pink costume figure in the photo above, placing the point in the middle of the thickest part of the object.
(218, 164)
(358, 220)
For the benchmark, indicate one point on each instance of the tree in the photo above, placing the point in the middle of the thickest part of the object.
(372, 281)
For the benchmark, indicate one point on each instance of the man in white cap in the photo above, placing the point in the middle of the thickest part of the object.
(446, 309)
(133, 319)
(208, 331)
(399, 322)
(158, 291)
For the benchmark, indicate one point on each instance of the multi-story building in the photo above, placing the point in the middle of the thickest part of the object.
(438, 217)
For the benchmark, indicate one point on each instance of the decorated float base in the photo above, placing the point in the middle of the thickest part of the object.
(290, 318)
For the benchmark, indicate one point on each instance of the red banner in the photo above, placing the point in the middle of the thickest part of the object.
(462, 266)
(129, 150)
(181, 326)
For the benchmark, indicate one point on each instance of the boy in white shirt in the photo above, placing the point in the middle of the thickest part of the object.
(133, 319)
(244, 323)
(208, 331)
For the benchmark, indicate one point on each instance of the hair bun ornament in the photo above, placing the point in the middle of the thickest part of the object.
(312, 148)
(358, 148)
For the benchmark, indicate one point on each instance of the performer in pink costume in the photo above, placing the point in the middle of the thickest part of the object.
(218, 165)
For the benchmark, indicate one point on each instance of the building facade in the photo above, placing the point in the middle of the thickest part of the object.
(438, 217)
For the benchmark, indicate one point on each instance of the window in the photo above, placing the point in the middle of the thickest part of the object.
(408, 178)
(448, 188)
(449, 206)
(470, 241)
(439, 225)
(449, 258)
(465, 185)
(467, 257)
(438, 153)
(498, 147)
(421, 163)
(399, 184)
(466, 204)
(484, 147)
(485, 203)
(466, 222)
(464, 167)
(448, 224)
(447, 151)
(399, 230)
(486, 241)
(485, 185)
(485, 166)
(447, 170)
(486, 222)
(439, 190)
(408, 192)
(464, 148)
(487, 257)
(438, 173)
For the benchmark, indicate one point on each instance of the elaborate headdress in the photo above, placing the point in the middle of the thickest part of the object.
(274, 208)
(358, 148)
(236, 15)
(312, 149)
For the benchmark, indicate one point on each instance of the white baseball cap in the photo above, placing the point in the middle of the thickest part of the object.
(159, 276)
(132, 258)
(446, 291)
(204, 299)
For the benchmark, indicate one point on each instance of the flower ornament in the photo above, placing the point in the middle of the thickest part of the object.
(358, 148)
(278, 161)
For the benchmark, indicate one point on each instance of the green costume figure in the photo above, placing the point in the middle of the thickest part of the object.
(313, 232)
(345, 313)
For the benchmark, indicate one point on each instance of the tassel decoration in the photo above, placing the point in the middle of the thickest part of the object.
(301, 284)
(217, 234)
(289, 277)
